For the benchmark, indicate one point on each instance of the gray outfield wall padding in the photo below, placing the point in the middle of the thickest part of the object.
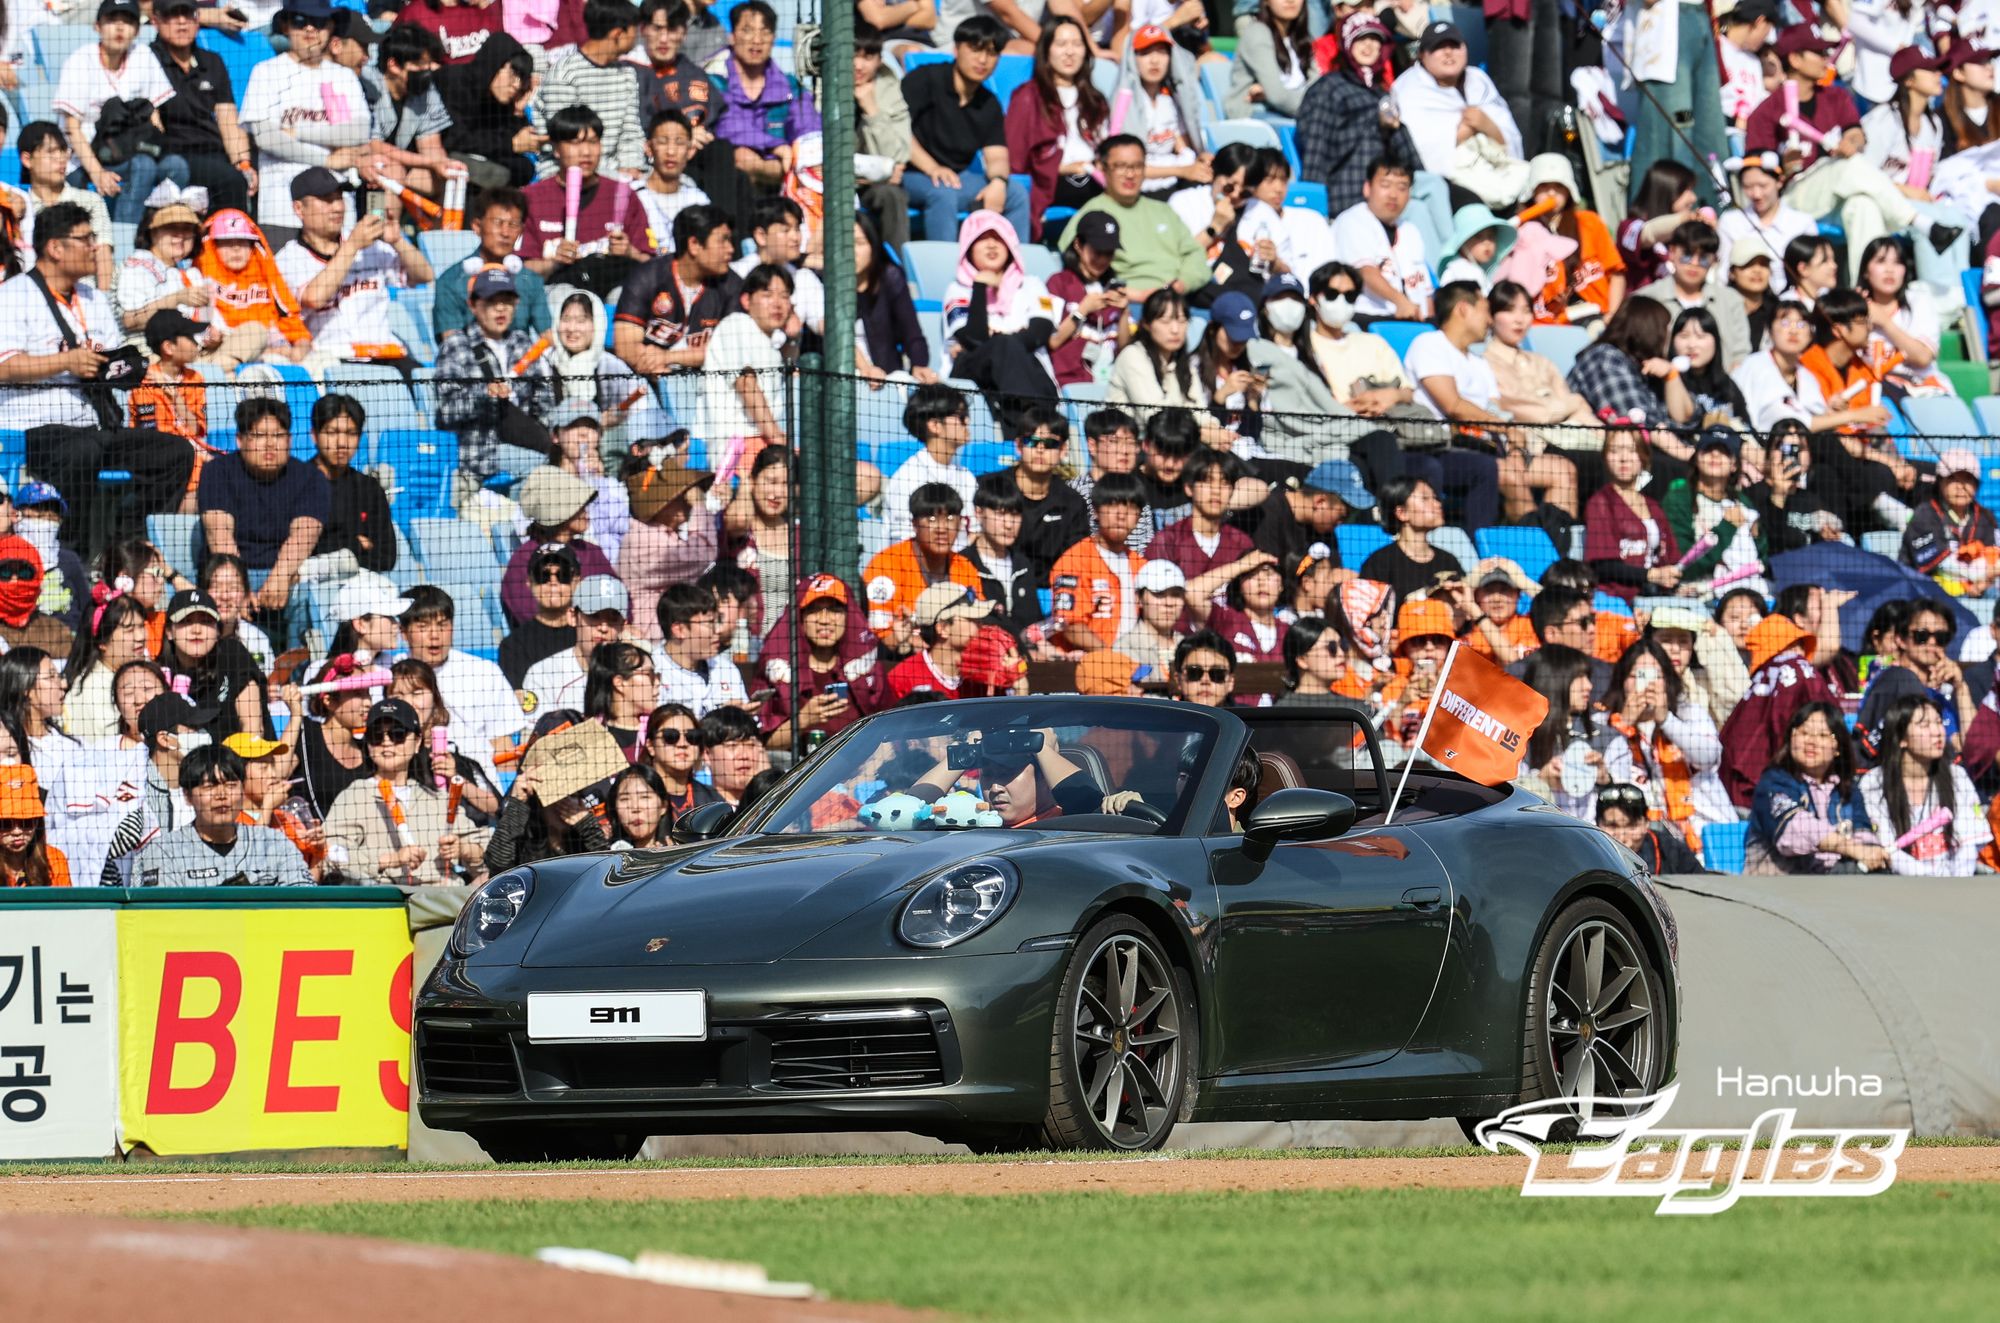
(1822, 980)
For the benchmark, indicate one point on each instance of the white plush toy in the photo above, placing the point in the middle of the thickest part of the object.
(961, 809)
(900, 811)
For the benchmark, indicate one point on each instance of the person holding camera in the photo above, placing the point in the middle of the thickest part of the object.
(60, 337)
(109, 97)
(343, 280)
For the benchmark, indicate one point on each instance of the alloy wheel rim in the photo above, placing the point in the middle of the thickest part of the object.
(1600, 1017)
(1126, 1041)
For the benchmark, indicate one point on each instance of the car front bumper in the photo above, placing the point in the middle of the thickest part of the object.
(918, 1043)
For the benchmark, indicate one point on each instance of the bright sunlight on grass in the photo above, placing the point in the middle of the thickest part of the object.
(1480, 1255)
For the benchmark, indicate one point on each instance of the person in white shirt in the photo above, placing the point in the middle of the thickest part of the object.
(302, 109)
(743, 395)
(343, 281)
(1452, 381)
(55, 334)
(1459, 121)
(1774, 386)
(938, 417)
(1744, 31)
(486, 714)
(777, 228)
(1767, 218)
(693, 671)
(1906, 141)
(1300, 240)
(666, 191)
(114, 70)
(1880, 29)
(1387, 251)
(599, 614)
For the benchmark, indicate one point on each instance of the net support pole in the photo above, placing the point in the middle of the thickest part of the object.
(829, 536)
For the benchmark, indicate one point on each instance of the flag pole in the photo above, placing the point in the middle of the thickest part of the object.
(1424, 729)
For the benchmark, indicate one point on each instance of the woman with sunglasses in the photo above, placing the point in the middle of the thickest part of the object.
(1315, 661)
(416, 683)
(115, 637)
(1621, 814)
(673, 749)
(26, 857)
(1204, 670)
(1807, 815)
(640, 818)
(619, 691)
(1653, 735)
(397, 827)
(1921, 802)
(1920, 667)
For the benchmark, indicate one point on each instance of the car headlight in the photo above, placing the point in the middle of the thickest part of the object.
(958, 903)
(491, 911)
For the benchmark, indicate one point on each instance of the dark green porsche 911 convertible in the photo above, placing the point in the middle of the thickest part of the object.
(1058, 921)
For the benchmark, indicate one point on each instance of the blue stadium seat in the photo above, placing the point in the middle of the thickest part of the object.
(891, 455)
(1527, 546)
(451, 547)
(1255, 132)
(1457, 543)
(383, 394)
(410, 322)
(1400, 334)
(1987, 409)
(1306, 194)
(423, 460)
(173, 534)
(1104, 75)
(932, 264)
(13, 456)
(1559, 344)
(1288, 140)
(1041, 263)
(1215, 89)
(10, 166)
(1989, 483)
(1008, 74)
(984, 457)
(1722, 846)
(1883, 542)
(1941, 416)
(240, 52)
(1471, 20)
(447, 248)
(1357, 542)
(1970, 281)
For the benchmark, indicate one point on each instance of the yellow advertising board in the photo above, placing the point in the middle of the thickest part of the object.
(255, 1029)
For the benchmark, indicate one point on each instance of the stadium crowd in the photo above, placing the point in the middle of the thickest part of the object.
(1246, 370)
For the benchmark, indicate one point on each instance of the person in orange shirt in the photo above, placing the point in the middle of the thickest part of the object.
(898, 574)
(1095, 581)
(172, 396)
(248, 286)
(1595, 272)
(26, 857)
(1847, 380)
(1500, 631)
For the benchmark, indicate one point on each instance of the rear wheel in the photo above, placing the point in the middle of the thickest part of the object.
(1122, 1049)
(1596, 1022)
(557, 1144)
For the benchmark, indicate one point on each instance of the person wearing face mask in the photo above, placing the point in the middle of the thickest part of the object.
(22, 622)
(1359, 367)
(1296, 399)
(39, 511)
(407, 115)
(172, 728)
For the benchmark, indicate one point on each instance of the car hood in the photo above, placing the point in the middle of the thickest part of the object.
(740, 900)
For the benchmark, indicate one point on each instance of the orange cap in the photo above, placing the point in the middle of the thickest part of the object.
(1420, 616)
(20, 793)
(821, 585)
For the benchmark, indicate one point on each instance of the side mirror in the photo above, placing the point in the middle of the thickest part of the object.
(1296, 815)
(707, 820)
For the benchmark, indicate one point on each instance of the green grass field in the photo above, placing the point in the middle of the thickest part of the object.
(1917, 1251)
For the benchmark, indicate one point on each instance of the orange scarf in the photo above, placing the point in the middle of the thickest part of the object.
(257, 293)
(1677, 780)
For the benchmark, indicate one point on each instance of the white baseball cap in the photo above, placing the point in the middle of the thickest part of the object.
(367, 594)
(1162, 576)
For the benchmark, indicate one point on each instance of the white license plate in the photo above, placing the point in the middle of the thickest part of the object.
(618, 1017)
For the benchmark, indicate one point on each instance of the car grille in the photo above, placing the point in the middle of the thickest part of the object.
(890, 1052)
(473, 1061)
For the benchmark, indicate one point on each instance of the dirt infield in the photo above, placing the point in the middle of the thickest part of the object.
(99, 1270)
(155, 1191)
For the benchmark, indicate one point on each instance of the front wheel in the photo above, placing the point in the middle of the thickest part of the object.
(1122, 1048)
(1597, 1014)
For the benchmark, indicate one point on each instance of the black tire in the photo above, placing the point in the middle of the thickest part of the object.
(1098, 1047)
(1630, 1054)
(557, 1144)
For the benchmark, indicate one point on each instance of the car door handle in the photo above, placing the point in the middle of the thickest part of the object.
(1423, 898)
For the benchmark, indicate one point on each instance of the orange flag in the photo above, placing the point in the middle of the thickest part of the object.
(1480, 718)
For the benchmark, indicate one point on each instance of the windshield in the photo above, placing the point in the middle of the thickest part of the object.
(1027, 763)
